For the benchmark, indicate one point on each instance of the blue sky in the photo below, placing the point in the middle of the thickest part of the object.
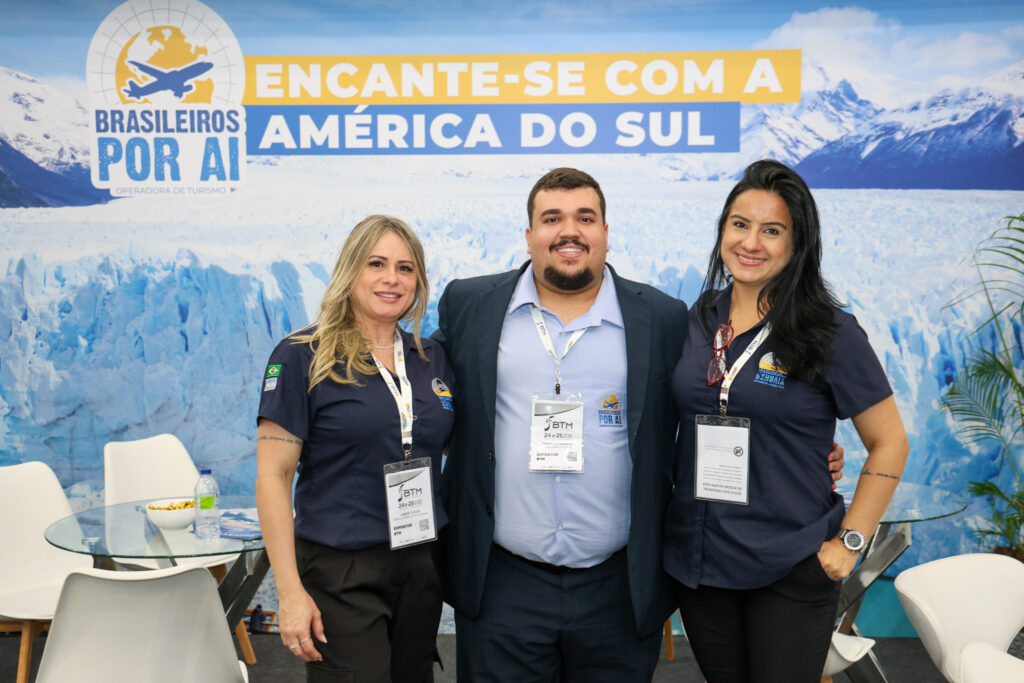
(951, 42)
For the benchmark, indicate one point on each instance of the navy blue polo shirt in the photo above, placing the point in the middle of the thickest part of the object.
(349, 433)
(792, 509)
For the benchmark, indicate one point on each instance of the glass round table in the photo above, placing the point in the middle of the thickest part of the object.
(114, 535)
(916, 503)
(124, 531)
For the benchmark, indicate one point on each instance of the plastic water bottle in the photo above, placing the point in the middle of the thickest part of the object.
(207, 507)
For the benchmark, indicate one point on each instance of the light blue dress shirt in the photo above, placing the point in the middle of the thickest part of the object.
(574, 520)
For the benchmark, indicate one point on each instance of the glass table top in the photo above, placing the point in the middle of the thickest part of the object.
(914, 502)
(124, 531)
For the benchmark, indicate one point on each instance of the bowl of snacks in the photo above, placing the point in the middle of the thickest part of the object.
(172, 513)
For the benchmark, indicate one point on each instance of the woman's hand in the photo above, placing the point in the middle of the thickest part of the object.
(836, 560)
(300, 623)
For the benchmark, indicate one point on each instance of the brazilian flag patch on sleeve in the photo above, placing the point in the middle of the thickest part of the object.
(273, 370)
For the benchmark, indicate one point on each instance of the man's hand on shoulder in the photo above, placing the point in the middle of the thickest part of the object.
(835, 463)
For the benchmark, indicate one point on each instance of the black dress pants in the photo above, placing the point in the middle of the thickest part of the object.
(536, 626)
(380, 610)
(776, 634)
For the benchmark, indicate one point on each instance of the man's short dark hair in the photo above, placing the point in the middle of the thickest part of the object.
(563, 179)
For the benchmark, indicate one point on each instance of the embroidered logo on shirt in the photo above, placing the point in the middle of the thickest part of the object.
(273, 370)
(444, 394)
(610, 412)
(270, 384)
(770, 373)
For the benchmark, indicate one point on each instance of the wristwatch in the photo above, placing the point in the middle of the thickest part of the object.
(852, 539)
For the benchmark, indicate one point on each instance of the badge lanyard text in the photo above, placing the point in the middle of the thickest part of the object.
(545, 338)
(723, 395)
(403, 398)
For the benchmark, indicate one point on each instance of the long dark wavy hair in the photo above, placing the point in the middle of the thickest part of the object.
(801, 303)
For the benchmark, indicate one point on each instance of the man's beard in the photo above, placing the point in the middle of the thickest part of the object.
(568, 283)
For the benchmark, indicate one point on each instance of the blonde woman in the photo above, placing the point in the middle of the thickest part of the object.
(362, 411)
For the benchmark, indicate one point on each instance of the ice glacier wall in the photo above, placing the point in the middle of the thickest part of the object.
(158, 316)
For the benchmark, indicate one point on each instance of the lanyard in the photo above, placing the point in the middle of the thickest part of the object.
(723, 396)
(403, 398)
(545, 338)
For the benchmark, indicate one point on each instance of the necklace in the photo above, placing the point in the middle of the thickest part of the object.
(382, 346)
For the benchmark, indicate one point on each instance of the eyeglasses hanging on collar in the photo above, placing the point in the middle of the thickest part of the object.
(716, 368)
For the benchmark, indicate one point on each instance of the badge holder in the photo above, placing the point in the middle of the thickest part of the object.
(556, 433)
(722, 462)
(409, 492)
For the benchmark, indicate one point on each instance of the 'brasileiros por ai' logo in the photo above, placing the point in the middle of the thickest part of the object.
(166, 79)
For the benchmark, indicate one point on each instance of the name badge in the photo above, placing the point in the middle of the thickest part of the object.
(410, 495)
(556, 435)
(723, 459)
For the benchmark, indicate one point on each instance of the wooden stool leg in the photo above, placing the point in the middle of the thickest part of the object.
(670, 647)
(219, 572)
(243, 643)
(29, 631)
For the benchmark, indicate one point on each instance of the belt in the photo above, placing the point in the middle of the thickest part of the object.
(552, 568)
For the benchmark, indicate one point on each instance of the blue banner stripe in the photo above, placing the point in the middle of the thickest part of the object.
(712, 127)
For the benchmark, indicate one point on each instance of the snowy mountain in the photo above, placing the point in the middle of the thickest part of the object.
(44, 145)
(787, 132)
(965, 139)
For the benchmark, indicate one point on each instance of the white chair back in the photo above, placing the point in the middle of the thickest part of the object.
(156, 467)
(958, 600)
(161, 626)
(32, 570)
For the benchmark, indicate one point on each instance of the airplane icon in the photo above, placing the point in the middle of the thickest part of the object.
(175, 80)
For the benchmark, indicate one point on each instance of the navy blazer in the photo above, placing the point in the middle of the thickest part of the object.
(471, 314)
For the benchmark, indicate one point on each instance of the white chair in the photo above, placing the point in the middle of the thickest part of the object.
(160, 467)
(160, 626)
(31, 570)
(962, 599)
(982, 663)
(157, 467)
(844, 651)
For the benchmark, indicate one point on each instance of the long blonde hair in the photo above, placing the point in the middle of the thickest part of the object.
(335, 337)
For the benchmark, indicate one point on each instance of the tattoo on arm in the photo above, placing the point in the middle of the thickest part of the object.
(880, 474)
(297, 442)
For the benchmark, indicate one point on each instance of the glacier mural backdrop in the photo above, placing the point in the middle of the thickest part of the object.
(122, 318)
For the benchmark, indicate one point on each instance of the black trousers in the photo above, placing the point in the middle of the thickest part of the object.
(536, 626)
(380, 609)
(776, 634)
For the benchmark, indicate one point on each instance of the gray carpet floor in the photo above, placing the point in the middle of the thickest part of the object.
(903, 659)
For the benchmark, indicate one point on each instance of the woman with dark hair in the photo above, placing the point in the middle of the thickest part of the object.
(755, 539)
(361, 410)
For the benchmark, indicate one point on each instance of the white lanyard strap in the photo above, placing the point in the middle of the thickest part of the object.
(723, 396)
(403, 398)
(545, 339)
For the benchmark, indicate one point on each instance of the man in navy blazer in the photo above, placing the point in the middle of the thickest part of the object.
(555, 571)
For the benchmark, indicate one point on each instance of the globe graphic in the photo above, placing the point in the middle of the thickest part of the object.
(167, 49)
(164, 53)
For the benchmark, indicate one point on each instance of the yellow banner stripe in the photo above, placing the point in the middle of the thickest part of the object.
(748, 76)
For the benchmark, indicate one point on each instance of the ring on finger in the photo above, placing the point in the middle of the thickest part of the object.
(303, 640)
(292, 647)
